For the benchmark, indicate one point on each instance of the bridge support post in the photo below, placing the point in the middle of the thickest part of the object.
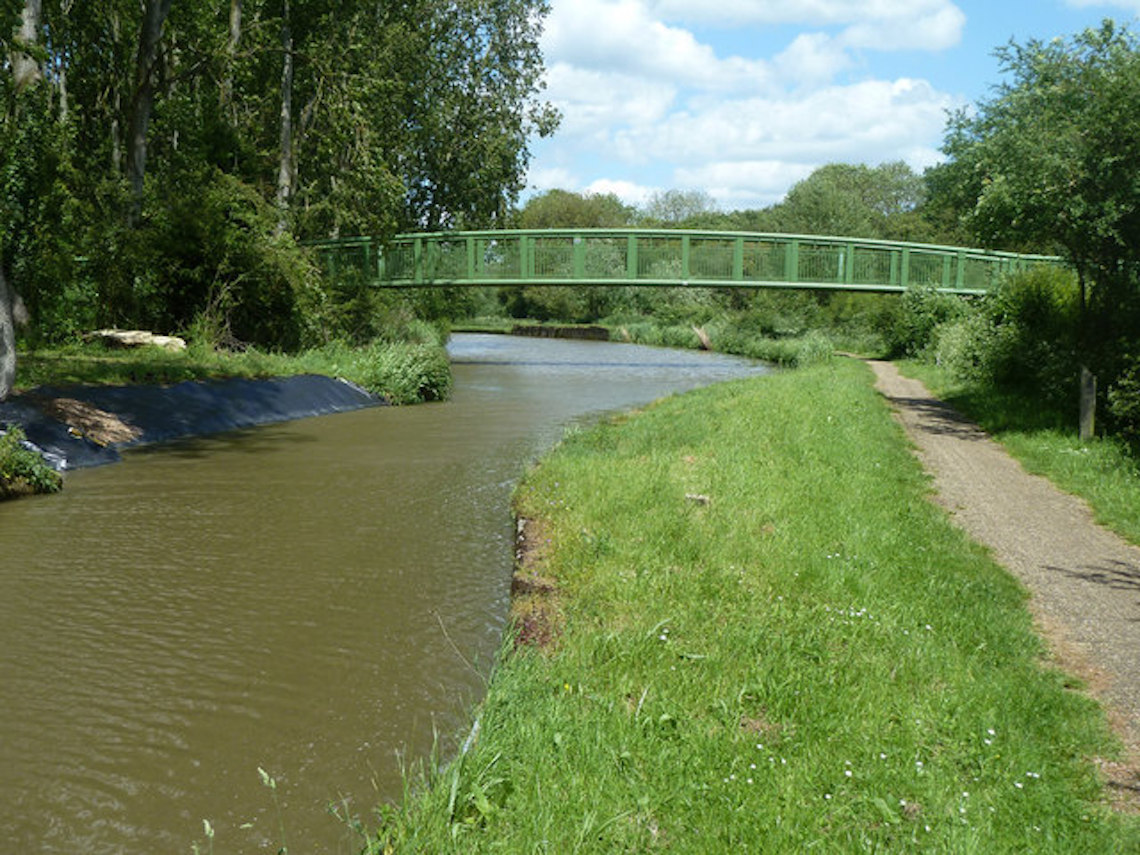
(631, 258)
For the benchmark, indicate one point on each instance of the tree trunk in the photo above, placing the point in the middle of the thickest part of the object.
(142, 102)
(61, 70)
(285, 168)
(25, 70)
(7, 337)
(231, 52)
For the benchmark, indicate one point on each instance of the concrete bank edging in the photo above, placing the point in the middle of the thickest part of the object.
(154, 414)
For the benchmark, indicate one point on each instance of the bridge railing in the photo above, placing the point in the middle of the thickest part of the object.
(658, 257)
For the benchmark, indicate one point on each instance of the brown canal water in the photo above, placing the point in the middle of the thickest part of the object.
(316, 599)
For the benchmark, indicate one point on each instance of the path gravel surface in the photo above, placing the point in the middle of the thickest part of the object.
(1084, 581)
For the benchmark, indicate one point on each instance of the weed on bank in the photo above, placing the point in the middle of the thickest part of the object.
(769, 641)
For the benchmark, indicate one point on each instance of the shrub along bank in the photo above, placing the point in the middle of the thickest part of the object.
(766, 639)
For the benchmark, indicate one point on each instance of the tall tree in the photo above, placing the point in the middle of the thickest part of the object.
(25, 73)
(142, 100)
(1052, 162)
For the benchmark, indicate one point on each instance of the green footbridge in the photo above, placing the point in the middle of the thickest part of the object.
(664, 258)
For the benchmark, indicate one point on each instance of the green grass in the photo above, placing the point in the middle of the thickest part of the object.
(1103, 472)
(401, 372)
(773, 642)
(23, 472)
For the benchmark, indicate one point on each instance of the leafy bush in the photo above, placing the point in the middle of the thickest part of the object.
(910, 328)
(405, 373)
(23, 471)
(1124, 404)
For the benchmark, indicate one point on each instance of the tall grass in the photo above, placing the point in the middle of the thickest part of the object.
(772, 642)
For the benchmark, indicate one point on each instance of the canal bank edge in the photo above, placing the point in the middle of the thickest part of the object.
(79, 427)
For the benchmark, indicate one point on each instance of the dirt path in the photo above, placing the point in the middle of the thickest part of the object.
(1084, 581)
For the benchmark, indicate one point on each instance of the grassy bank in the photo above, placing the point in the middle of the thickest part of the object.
(770, 642)
(1103, 471)
(402, 372)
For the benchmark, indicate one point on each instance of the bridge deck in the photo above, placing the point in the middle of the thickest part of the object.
(657, 257)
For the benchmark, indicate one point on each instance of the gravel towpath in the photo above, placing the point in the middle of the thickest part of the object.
(1084, 581)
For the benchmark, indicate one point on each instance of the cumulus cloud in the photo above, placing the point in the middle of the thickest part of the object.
(879, 24)
(647, 104)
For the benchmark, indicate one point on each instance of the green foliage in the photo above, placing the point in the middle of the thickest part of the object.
(404, 373)
(856, 201)
(404, 115)
(1051, 161)
(678, 208)
(564, 209)
(23, 471)
(915, 318)
(1124, 403)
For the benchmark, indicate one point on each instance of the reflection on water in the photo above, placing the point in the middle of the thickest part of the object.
(312, 598)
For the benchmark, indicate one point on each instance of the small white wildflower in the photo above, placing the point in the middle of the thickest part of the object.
(991, 732)
(965, 795)
(750, 780)
(988, 741)
(827, 795)
(1018, 784)
(752, 766)
(882, 756)
(847, 772)
(929, 628)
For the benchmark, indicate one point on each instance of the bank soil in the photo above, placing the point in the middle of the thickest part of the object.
(536, 610)
(1083, 581)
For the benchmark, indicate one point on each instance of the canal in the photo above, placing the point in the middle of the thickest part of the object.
(321, 600)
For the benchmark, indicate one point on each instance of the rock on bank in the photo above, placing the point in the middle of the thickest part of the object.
(84, 426)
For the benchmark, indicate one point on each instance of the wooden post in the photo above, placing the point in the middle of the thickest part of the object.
(1088, 404)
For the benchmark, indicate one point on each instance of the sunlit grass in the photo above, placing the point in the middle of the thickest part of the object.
(773, 642)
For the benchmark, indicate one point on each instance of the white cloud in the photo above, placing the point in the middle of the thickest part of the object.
(647, 104)
(744, 183)
(865, 120)
(592, 101)
(550, 178)
(879, 24)
(627, 191)
(812, 58)
(621, 37)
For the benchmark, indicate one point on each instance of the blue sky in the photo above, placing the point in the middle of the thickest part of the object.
(742, 98)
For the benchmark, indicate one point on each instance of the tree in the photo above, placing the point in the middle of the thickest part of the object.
(1053, 162)
(565, 209)
(855, 200)
(675, 207)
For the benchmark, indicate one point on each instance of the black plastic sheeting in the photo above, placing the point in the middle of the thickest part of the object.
(164, 413)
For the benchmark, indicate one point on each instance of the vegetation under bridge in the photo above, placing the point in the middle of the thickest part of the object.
(664, 257)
